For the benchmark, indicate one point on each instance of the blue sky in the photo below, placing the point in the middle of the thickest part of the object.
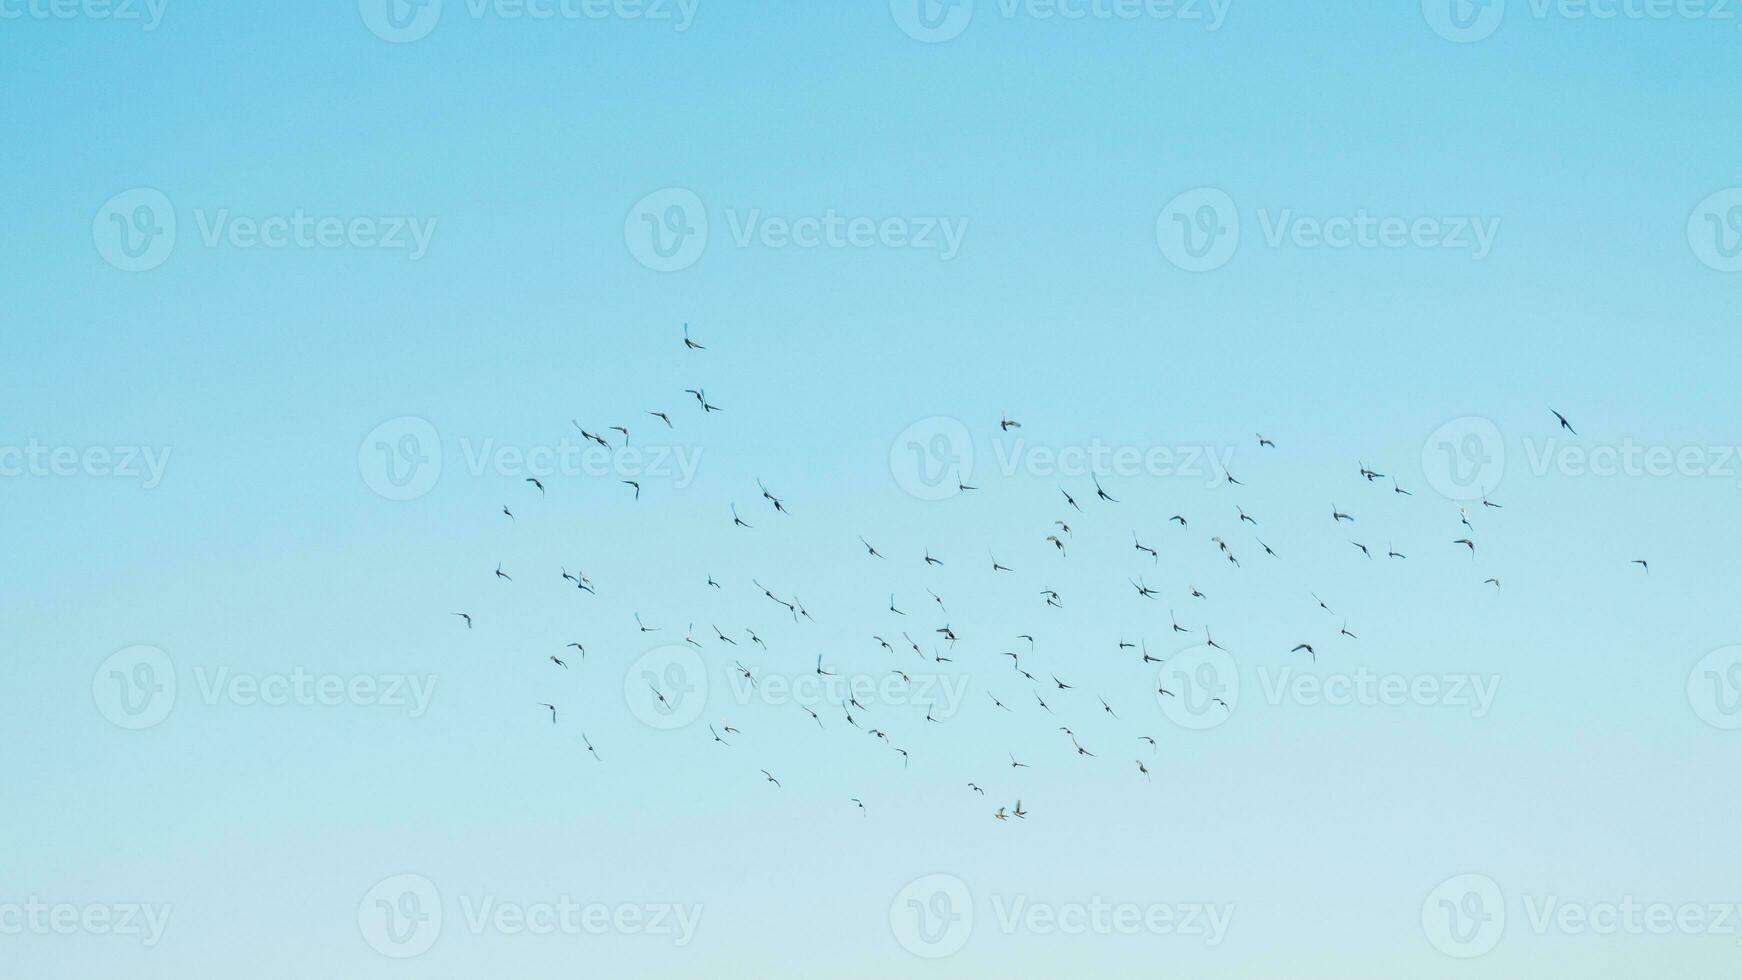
(462, 261)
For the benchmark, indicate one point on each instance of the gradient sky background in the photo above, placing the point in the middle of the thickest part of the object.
(264, 549)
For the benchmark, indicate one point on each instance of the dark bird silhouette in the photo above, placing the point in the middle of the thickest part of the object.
(1563, 421)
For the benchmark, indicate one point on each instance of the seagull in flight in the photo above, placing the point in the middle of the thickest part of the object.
(1005, 424)
(467, 617)
(1337, 515)
(1262, 442)
(687, 342)
(1642, 563)
(771, 778)
(552, 708)
(632, 483)
(534, 481)
(873, 551)
(589, 746)
(1100, 493)
(1308, 647)
(739, 521)
(662, 417)
(1563, 420)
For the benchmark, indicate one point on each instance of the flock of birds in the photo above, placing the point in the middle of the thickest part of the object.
(1061, 536)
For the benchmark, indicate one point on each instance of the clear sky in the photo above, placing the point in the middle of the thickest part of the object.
(270, 268)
